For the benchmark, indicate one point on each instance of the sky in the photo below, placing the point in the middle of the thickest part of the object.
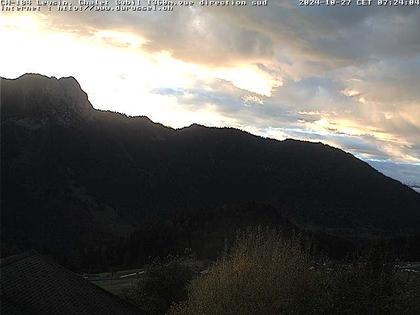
(345, 76)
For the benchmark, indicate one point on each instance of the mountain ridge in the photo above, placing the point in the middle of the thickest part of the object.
(36, 76)
(74, 175)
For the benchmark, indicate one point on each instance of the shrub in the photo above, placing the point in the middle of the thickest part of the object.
(262, 274)
(371, 287)
(266, 274)
(160, 286)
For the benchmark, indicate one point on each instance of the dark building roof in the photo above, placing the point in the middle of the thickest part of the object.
(33, 284)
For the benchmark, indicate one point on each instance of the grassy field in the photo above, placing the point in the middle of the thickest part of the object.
(117, 281)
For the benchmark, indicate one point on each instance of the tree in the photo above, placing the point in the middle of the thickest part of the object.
(160, 286)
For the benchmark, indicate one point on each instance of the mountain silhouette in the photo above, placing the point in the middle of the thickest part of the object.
(71, 174)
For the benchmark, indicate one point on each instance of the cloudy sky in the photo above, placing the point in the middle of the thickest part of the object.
(346, 76)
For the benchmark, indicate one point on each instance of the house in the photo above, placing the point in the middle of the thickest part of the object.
(33, 284)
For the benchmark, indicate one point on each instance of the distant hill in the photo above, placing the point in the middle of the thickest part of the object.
(73, 175)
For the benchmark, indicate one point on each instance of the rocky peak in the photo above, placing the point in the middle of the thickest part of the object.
(41, 97)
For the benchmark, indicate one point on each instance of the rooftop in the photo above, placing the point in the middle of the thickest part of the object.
(33, 284)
